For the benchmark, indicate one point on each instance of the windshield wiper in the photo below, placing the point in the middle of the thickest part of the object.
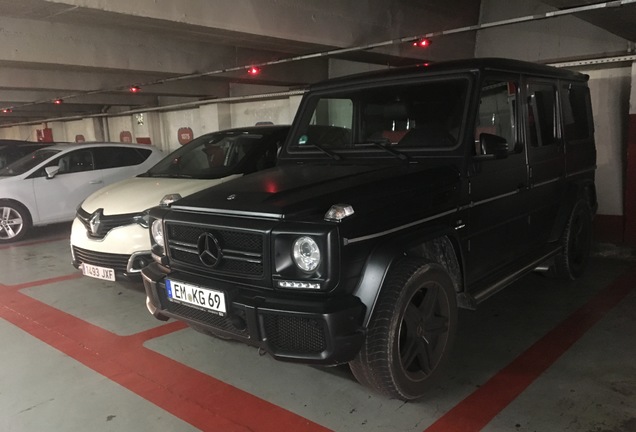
(329, 153)
(382, 144)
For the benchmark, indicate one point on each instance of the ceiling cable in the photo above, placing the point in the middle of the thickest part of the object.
(401, 40)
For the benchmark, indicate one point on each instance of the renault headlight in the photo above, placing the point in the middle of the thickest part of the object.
(306, 253)
(156, 230)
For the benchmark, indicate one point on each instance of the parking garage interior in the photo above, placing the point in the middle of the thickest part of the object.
(80, 353)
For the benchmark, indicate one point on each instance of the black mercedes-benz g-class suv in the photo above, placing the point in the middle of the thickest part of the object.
(399, 196)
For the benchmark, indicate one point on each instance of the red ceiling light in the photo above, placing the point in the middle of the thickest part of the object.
(7, 110)
(58, 101)
(253, 70)
(422, 43)
(134, 89)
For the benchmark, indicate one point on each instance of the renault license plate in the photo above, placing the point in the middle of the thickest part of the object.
(199, 297)
(98, 272)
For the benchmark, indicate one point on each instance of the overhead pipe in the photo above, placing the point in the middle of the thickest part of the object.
(500, 23)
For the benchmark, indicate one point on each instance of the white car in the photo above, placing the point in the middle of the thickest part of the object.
(47, 186)
(109, 237)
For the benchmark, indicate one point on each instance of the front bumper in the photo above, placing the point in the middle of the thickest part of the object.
(314, 331)
(125, 249)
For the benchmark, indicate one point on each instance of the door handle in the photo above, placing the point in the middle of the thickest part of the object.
(95, 182)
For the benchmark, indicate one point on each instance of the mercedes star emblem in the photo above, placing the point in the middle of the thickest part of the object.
(209, 250)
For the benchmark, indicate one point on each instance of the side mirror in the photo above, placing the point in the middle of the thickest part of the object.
(51, 171)
(493, 146)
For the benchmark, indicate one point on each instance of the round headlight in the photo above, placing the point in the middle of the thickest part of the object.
(306, 254)
(156, 230)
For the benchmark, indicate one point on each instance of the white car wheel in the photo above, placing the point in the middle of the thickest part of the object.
(14, 222)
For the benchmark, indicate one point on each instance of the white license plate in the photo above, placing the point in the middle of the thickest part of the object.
(193, 295)
(98, 272)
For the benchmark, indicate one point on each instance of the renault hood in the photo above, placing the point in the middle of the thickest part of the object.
(137, 194)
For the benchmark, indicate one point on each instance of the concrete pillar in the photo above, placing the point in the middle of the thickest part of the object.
(117, 125)
(153, 124)
(294, 103)
(215, 117)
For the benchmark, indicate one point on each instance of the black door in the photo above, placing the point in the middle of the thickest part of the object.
(546, 159)
(498, 223)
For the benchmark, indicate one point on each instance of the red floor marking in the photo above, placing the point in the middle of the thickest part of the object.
(197, 398)
(34, 242)
(478, 409)
(43, 281)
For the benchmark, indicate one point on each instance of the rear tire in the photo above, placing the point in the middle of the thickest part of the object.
(577, 243)
(411, 331)
(15, 221)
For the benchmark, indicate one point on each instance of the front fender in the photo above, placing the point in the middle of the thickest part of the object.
(382, 258)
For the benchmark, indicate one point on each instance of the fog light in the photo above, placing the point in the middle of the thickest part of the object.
(298, 284)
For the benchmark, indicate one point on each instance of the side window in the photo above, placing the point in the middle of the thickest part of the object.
(76, 161)
(330, 124)
(497, 114)
(334, 112)
(575, 100)
(114, 157)
(542, 115)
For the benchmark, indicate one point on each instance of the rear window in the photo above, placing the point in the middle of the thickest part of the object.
(542, 115)
(576, 112)
(114, 157)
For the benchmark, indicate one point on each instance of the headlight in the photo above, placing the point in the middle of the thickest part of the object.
(156, 230)
(306, 254)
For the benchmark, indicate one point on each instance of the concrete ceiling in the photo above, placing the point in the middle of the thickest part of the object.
(620, 21)
(89, 52)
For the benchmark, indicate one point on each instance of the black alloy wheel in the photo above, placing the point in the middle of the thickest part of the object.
(411, 331)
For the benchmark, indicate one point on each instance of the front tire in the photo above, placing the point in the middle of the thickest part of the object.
(15, 221)
(411, 331)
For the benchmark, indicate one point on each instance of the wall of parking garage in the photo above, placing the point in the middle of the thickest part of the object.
(200, 120)
(610, 89)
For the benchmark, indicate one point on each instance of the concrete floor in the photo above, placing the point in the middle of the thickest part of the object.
(80, 354)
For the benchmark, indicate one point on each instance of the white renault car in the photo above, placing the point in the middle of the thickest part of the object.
(109, 237)
(47, 185)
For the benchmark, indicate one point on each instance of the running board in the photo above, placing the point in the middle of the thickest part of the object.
(470, 300)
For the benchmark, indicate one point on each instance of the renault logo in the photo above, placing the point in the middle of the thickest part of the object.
(95, 221)
(209, 250)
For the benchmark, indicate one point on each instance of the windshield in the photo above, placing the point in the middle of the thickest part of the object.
(27, 162)
(216, 155)
(387, 121)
